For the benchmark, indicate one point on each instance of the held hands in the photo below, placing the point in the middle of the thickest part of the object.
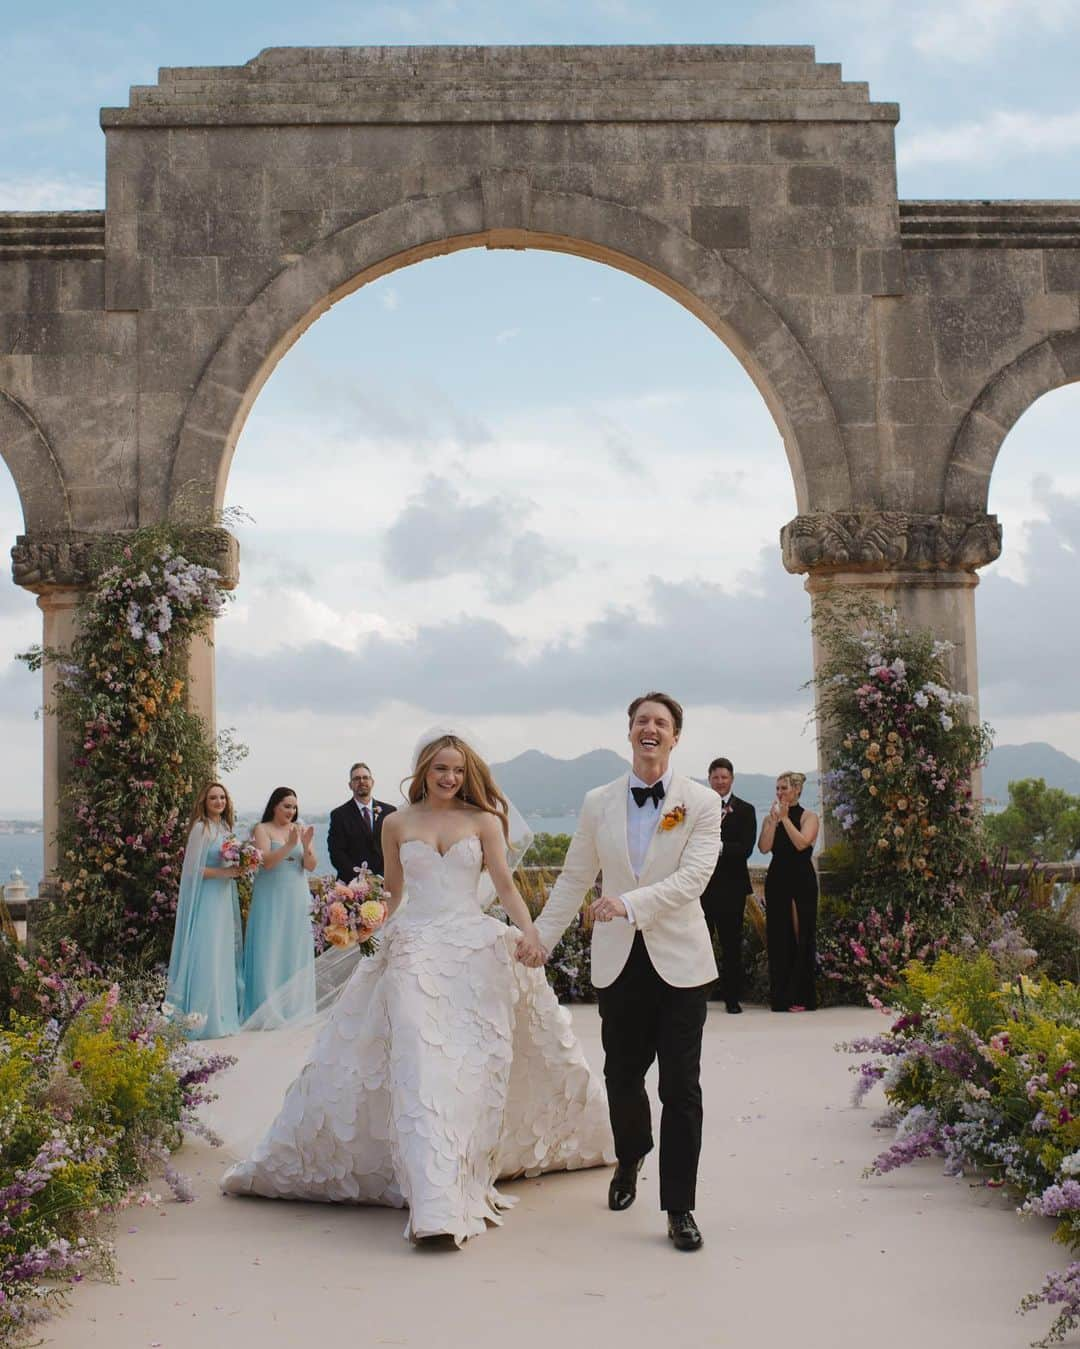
(605, 909)
(530, 952)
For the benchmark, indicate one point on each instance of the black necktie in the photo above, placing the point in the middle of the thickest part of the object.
(655, 794)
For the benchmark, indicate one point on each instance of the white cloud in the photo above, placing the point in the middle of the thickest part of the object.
(47, 193)
(507, 335)
(389, 298)
(1001, 135)
(968, 30)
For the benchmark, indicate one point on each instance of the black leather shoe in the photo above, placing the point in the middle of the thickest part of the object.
(623, 1188)
(684, 1232)
(734, 1008)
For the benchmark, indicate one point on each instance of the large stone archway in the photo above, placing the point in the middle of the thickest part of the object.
(894, 342)
(501, 212)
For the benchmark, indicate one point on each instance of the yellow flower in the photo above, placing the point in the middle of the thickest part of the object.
(866, 774)
(340, 936)
(864, 734)
(901, 803)
(883, 842)
(372, 912)
(873, 790)
(898, 831)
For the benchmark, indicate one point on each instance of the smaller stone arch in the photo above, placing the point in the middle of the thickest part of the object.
(1048, 365)
(503, 211)
(25, 449)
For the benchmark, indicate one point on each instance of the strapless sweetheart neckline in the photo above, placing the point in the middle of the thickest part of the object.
(432, 848)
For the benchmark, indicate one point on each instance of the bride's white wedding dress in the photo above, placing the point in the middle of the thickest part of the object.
(444, 1065)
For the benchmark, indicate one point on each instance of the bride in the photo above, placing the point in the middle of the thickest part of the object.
(446, 1063)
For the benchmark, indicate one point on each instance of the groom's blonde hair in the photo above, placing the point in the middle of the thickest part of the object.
(477, 790)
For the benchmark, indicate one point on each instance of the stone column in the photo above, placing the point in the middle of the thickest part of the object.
(57, 605)
(57, 567)
(924, 566)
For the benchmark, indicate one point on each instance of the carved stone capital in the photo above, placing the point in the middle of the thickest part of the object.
(67, 559)
(887, 540)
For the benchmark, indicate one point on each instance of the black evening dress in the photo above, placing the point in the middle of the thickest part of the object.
(791, 898)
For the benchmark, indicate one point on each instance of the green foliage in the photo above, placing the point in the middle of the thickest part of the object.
(547, 850)
(1039, 822)
(139, 752)
(96, 1089)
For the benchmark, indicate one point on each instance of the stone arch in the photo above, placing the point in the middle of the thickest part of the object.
(1048, 365)
(502, 212)
(39, 482)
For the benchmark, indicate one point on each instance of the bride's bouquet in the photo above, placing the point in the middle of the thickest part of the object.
(244, 855)
(347, 914)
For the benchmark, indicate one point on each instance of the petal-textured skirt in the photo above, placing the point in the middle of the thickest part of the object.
(444, 1066)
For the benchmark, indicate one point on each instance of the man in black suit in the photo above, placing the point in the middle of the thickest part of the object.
(724, 898)
(355, 835)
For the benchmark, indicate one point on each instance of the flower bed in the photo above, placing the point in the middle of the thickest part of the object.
(96, 1092)
(981, 1067)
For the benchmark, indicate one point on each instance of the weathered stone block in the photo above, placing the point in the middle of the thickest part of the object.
(815, 185)
(721, 227)
(1062, 269)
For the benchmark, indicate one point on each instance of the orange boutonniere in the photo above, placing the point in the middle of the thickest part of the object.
(673, 818)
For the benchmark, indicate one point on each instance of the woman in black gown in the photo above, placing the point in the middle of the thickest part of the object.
(791, 895)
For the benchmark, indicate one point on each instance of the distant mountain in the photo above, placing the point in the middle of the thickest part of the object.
(541, 785)
(1010, 763)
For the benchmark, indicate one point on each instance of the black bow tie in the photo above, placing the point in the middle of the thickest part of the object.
(655, 794)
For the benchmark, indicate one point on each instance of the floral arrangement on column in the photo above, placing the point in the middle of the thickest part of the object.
(137, 750)
(902, 749)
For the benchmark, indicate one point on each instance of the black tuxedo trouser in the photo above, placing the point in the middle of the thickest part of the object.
(642, 1019)
(725, 916)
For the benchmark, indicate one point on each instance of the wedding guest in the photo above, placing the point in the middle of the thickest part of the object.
(279, 955)
(205, 970)
(355, 834)
(724, 898)
(791, 894)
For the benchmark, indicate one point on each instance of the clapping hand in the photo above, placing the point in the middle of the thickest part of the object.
(293, 836)
(307, 835)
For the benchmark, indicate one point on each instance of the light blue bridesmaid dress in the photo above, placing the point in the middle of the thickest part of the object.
(206, 963)
(279, 955)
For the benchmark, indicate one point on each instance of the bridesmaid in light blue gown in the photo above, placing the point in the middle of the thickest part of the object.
(205, 966)
(279, 954)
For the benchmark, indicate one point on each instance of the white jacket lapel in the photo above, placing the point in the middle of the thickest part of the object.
(663, 845)
(615, 825)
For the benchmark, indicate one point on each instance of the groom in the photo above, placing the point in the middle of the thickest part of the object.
(655, 837)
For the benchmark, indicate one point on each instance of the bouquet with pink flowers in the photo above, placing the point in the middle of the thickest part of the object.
(244, 855)
(347, 913)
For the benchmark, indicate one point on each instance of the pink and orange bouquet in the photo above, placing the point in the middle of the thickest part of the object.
(244, 855)
(347, 914)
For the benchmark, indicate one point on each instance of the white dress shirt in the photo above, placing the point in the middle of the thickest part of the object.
(641, 822)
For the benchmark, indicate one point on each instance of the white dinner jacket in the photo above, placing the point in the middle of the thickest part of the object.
(666, 896)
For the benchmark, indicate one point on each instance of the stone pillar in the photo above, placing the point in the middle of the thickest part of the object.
(924, 566)
(57, 605)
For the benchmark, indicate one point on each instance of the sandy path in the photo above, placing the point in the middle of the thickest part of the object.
(799, 1249)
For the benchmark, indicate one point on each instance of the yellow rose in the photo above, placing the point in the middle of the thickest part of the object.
(866, 774)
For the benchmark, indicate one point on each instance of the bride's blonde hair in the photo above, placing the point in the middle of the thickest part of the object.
(477, 790)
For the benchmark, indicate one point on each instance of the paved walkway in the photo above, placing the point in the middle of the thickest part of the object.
(800, 1251)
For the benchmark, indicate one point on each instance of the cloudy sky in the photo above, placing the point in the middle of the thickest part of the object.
(512, 489)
